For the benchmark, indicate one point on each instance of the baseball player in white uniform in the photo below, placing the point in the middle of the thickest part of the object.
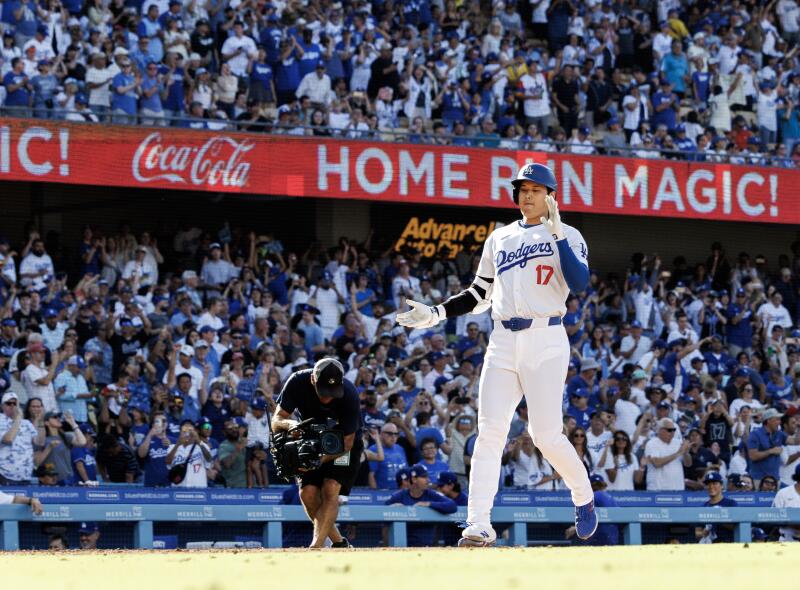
(526, 271)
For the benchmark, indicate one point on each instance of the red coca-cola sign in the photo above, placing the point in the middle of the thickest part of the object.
(220, 161)
(107, 155)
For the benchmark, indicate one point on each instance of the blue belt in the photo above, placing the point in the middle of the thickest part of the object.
(517, 324)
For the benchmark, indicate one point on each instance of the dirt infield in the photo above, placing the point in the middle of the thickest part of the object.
(643, 568)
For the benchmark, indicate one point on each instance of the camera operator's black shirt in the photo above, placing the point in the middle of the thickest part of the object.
(300, 394)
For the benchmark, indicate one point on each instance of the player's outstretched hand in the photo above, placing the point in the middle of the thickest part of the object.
(419, 316)
(553, 220)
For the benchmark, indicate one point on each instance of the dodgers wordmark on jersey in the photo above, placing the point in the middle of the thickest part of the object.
(524, 262)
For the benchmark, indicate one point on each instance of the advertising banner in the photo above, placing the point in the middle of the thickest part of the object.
(228, 162)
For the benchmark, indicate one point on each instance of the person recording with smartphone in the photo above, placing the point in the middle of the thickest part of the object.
(325, 396)
(191, 452)
(153, 452)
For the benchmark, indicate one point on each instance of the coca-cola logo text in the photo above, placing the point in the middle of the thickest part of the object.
(219, 161)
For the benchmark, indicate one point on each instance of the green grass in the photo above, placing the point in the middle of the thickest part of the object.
(673, 567)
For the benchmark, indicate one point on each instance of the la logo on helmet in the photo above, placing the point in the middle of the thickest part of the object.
(528, 170)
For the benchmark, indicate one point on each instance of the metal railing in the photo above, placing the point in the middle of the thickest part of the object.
(395, 517)
(399, 135)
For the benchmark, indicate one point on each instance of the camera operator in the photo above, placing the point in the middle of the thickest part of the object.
(322, 393)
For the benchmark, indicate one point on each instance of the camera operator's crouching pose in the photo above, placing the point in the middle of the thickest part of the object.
(323, 395)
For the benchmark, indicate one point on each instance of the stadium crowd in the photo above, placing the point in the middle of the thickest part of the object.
(149, 355)
(703, 81)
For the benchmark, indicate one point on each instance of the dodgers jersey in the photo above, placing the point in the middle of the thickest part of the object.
(523, 260)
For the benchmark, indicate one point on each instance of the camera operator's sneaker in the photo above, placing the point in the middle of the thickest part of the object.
(477, 535)
(343, 544)
(586, 520)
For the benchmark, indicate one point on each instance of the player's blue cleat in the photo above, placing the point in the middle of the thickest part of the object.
(585, 520)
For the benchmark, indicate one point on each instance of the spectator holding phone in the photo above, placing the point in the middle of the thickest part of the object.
(189, 449)
(153, 453)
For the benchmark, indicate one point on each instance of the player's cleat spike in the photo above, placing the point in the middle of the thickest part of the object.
(343, 544)
(586, 520)
(477, 535)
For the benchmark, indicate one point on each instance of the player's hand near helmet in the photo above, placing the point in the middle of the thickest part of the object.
(553, 220)
(419, 316)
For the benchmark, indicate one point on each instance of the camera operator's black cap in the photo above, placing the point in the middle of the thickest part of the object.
(329, 378)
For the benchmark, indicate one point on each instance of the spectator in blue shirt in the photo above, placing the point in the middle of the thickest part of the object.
(173, 76)
(429, 451)
(150, 109)
(418, 494)
(84, 464)
(44, 90)
(675, 67)
(789, 123)
(579, 407)
(765, 446)
(124, 94)
(382, 473)
(739, 330)
(153, 452)
(262, 84)
(18, 89)
(665, 106)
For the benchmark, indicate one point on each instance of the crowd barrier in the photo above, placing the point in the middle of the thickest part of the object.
(145, 507)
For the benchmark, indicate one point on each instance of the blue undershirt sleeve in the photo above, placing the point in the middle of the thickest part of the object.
(575, 272)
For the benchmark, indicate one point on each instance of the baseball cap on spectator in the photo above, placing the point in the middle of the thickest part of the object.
(87, 528)
(259, 403)
(581, 392)
(46, 470)
(446, 478)
(595, 478)
(418, 470)
(300, 361)
(76, 361)
(50, 313)
(87, 428)
(381, 381)
(9, 396)
(215, 245)
(758, 534)
(206, 329)
(401, 475)
(638, 374)
(187, 350)
(770, 413)
(439, 383)
(589, 364)
(741, 372)
(36, 347)
(664, 406)
(201, 344)
(361, 343)
(712, 476)
(9, 322)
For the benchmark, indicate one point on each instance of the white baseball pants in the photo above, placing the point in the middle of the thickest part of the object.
(532, 363)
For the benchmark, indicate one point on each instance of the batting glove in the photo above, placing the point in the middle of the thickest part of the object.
(553, 220)
(420, 315)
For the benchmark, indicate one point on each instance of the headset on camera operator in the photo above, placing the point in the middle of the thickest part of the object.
(323, 396)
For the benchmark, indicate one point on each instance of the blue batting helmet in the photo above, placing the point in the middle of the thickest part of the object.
(538, 173)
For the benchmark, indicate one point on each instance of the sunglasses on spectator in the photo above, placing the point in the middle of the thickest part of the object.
(670, 429)
(620, 438)
(391, 432)
(9, 403)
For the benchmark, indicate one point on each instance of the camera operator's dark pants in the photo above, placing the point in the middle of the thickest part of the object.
(344, 474)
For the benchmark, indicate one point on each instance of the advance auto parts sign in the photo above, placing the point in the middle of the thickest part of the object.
(434, 238)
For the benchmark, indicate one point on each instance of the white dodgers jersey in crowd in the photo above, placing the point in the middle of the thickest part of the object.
(523, 260)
